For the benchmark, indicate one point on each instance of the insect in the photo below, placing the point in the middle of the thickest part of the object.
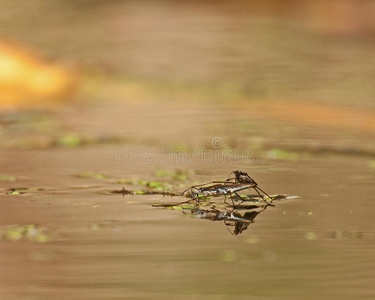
(229, 187)
(244, 178)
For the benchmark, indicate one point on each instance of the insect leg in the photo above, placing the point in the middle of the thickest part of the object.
(203, 184)
(268, 203)
(231, 197)
(264, 193)
(240, 197)
(192, 191)
(229, 179)
(225, 199)
(260, 195)
(227, 224)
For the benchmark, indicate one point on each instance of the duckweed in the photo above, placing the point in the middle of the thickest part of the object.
(30, 232)
(8, 178)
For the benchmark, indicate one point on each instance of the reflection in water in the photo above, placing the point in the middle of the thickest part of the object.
(236, 219)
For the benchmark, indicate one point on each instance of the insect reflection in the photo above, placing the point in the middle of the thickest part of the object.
(204, 202)
(236, 220)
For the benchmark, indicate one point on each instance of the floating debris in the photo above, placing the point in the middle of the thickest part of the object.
(21, 191)
(132, 181)
(29, 232)
(163, 173)
(144, 192)
(92, 175)
(8, 178)
(176, 175)
(70, 140)
(311, 236)
(287, 155)
(228, 256)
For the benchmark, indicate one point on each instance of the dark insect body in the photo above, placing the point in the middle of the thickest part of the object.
(229, 187)
(244, 178)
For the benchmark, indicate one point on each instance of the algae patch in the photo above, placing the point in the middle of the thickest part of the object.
(30, 232)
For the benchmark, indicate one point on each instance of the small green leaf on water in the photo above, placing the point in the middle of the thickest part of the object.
(139, 192)
(34, 189)
(30, 232)
(29, 229)
(155, 183)
(14, 193)
(176, 207)
(310, 236)
(142, 182)
(92, 175)
(122, 181)
(42, 238)
(14, 233)
(180, 177)
(285, 154)
(310, 213)
(338, 234)
(372, 163)
(354, 234)
(100, 176)
(7, 178)
(94, 226)
(180, 147)
(200, 196)
(163, 173)
(228, 256)
(70, 140)
(187, 206)
(132, 181)
(19, 191)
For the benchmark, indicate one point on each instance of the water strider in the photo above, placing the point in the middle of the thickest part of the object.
(236, 218)
(240, 181)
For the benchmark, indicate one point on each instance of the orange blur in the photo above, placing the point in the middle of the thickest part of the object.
(27, 81)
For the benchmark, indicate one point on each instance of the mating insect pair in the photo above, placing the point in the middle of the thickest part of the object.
(230, 187)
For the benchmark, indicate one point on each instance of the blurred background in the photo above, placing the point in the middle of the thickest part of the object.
(314, 56)
(319, 51)
(290, 80)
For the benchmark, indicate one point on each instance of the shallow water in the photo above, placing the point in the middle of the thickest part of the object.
(169, 82)
(104, 245)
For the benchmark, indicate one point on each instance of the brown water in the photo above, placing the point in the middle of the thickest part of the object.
(104, 245)
(173, 81)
